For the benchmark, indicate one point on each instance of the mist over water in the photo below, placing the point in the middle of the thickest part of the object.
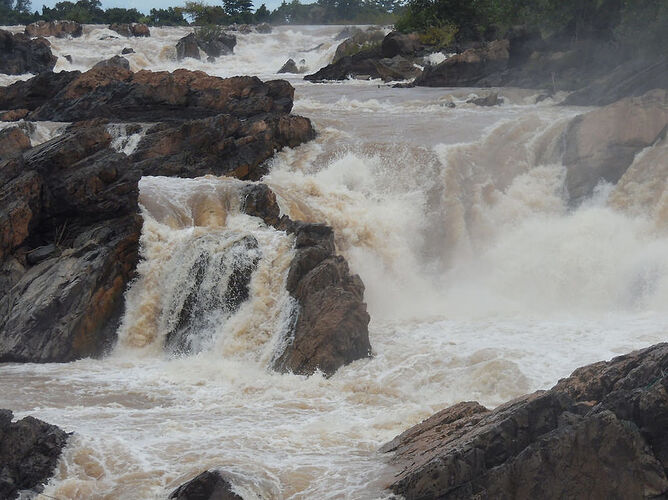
(481, 281)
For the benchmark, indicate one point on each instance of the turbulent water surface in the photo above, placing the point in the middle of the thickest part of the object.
(480, 280)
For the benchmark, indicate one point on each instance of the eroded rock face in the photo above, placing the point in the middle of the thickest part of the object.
(119, 94)
(330, 327)
(13, 140)
(19, 54)
(221, 45)
(468, 68)
(68, 210)
(59, 29)
(601, 145)
(598, 434)
(29, 451)
(131, 29)
(187, 47)
(209, 485)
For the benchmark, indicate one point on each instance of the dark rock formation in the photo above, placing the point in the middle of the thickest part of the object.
(290, 66)
(220, 45)
(369, 64)
(20, 54)
(132, 29)
(601, 433)
(359, 40)
(127, 50)
(187, 47)
(78, 194)
(330, 327)
(59, 29)
(468, 68)
(491, 99)
(29, 451)
(400, 44)
(209, 485)
(114, 62)
(601, 145)
(118, 94)
(13, 140)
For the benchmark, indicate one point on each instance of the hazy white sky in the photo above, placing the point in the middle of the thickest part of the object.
(147, 5)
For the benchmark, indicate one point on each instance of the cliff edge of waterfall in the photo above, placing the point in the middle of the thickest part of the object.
(600, 433)
(68, 207)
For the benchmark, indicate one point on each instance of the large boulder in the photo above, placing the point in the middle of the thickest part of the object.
(329, 327)
(29, 452)
(59, 29)
(602, 144)
(69, 228)
(116, 62)
(131, 29)
(209, 485)
(598, 434)
(187, 47)
(290, 66)
(468, 68)
(358, 41)
(119, 94)
(19, 54)
(400, 44)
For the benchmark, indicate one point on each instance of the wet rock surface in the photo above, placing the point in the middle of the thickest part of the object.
(599, 433)
(69, 224)
(601, 145)
(20, 54)
(209, 485)
(130, 29)
(29, 451)
(119, 94)
(330, 325)
(214, 46)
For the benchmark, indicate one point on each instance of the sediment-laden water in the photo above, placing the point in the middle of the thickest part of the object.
(481, 281)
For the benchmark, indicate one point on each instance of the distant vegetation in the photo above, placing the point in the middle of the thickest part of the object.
(228, 12)
(630, 22)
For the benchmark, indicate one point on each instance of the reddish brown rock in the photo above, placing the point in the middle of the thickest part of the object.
(131, 29)
(59, 29)
(14, 115)
(116, 93)
(13, 140)
(597, 434)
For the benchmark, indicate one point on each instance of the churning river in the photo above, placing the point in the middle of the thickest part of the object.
(481, 282)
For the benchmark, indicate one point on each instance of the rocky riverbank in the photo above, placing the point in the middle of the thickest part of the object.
(600, 433)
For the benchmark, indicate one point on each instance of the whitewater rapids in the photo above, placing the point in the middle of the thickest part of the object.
(482, 284)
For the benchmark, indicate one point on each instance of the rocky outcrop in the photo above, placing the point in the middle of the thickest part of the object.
(329, 328)
(29, 451)
(602, 144)
(468, 68)
(68, 207)
(187, 47)
(358, 41)
(121, 95)
(115, 62)
(400, 44)
(290, 66)
(598, 434)
(131, 29)
(19, 54)
(59, 29)
(209, 485)
(13, 140)
(214, 46)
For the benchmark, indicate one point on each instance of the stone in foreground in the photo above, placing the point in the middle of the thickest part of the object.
(601, 433)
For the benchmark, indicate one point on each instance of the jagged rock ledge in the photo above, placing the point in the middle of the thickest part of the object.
(600, 433)
(29, 451)
(69, 223)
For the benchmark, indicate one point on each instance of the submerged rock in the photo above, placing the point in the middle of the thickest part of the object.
(602, 144)
(598, 434)
(29, 452)
(59, 29)
(20, 54)
(209, 485)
